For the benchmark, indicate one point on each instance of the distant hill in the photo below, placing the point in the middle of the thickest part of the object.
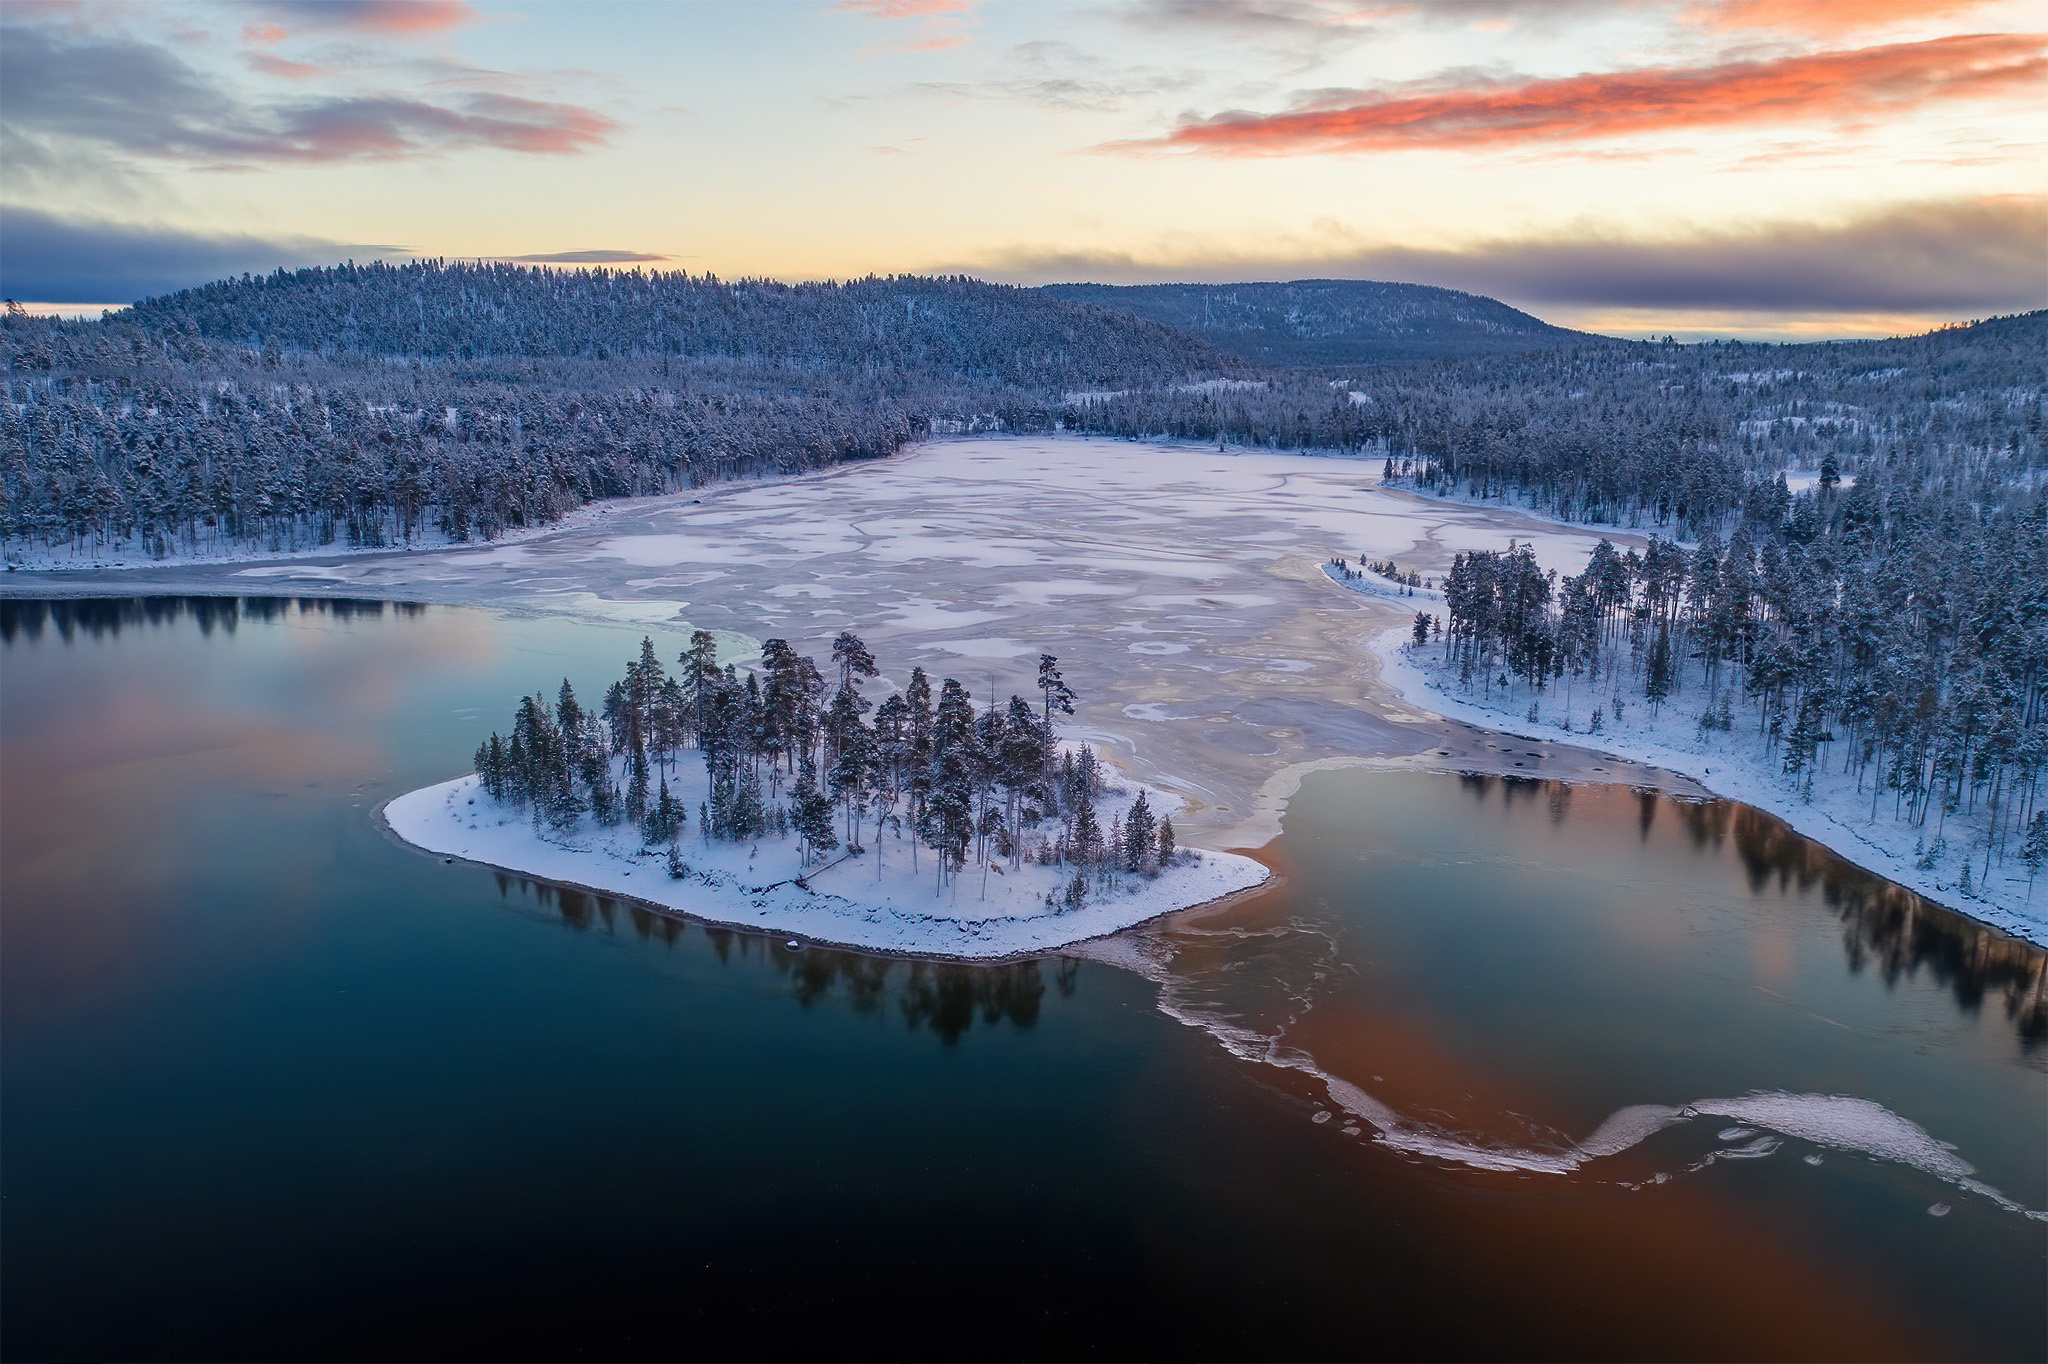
(1333, 321)
(950, 329)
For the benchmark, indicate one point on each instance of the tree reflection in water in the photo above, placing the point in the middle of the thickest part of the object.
(1885, 925)
(945, 998)
(106, 617)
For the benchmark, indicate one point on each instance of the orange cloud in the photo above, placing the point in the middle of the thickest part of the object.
(1822, 17)
(1841, 85)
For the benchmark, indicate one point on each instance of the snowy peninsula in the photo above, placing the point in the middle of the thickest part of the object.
(939, 829)
(1836, 812)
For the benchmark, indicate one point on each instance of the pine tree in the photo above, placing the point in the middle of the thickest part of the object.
(948, 823)
(813, 814)
(700, 679)
(1657, 676)
(1087, 835)
(1140, 833)
(2034, 850)
(636, 787)
(850, 748)
(1054, 689)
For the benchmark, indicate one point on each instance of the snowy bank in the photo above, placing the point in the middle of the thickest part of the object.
(876, 900)
(1838, 818)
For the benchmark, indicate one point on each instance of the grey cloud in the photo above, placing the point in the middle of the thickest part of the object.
(141, 99)
(1055, 75)
(1344, 20)
(50, 259)
(1948, 256)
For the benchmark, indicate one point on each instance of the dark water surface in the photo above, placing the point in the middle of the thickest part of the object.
(274, 1085)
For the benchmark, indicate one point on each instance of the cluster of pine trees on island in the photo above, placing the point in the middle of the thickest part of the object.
(792, 752)
(1862, 636)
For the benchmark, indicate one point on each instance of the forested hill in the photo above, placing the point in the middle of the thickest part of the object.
(1659, 436)
(374, 405)
(1333, 322)
(907, 325)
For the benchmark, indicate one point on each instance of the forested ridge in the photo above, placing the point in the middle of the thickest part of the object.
(375, 405)
(1322, 322)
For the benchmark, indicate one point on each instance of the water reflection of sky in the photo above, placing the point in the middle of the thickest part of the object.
(265, 1067)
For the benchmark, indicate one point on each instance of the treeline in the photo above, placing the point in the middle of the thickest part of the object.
(381, 405)
(1872, 634)
(790, 751)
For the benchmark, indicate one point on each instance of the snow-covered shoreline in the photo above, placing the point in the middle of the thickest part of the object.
(1730, 773)
(130, 556)
(849, 902)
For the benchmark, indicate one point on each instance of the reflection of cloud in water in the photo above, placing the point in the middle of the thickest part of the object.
(1291, 984)
(1838, 1122)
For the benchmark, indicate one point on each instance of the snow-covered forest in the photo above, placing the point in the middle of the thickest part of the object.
(1858, 639)
(378, 405)
(1345, 322)
(789, 752)
(362, 406)
(1668, 437)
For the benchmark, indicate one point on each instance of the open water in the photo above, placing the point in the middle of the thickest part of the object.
(1499, 1068)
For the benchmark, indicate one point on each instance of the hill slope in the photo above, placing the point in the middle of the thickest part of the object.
(906, 325)
(1333, 321)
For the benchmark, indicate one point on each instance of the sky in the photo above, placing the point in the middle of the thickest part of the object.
(1783, 169)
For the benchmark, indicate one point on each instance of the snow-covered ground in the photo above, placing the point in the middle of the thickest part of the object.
(1365, 582)
(878, 900)
(1729, 764)
(132, 553)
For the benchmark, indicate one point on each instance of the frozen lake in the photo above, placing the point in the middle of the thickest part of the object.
(1179, 586)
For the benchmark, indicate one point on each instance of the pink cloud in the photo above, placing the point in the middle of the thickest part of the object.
(940, 24)
(1826, 18)
(1856, 84)
(270, 64)
(393, 18)
(907, 9)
